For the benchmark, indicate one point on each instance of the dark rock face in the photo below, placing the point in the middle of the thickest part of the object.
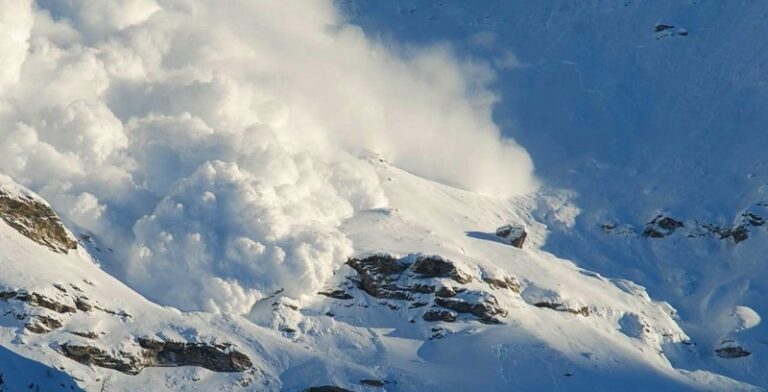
(326, 388)
(661, 226)
(35, 299)
(36, 221)
(337, 294)
(42, 324)
(373, 383)
(386, 277)
(584, 311)
(515, 235)
(437, 267)
(377, 275)
(156, 353)
(218, 358)
(732, 352)
(507, 282)
(484, 310)
(440, 315)
(447, 292)
(90, 355)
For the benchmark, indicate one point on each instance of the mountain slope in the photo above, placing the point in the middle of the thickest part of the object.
(633, 112)
(553, 324)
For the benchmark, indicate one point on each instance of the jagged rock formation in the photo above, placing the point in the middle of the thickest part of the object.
(35, 220)
(661, 226)
(157, 353)
(427, 278)
(664, 225)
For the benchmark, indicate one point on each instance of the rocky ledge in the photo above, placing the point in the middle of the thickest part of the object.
(665, 225)
(36, 220)
(440, 286)
(159, 353)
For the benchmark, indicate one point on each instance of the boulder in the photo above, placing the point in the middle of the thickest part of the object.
(514, 235)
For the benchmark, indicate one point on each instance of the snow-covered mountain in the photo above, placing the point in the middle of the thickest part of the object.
(432, 300)
(340, 195)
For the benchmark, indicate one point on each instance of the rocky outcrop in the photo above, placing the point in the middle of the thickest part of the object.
(35, 220)
(437, 267)
(732, 352)
(91, 355)
(37, 300)
(158, 353)
(582, 310)
(504, 282)
(430, 279)
(485, 309)
(514, 235)
(439, 315)
(337, 294)
(661, 226)
(326, 388)
(216, 357)
(41, 323)
(377, 275)
(374, 383)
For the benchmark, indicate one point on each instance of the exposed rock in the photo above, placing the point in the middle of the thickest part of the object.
(42, 324)
(584, 311)
(373, 383)
(447, 292)
(91, 355)
(484, 309)
(82, 304)
(437, 267)
(663, 27)
(440, 315)
(86, 334)
(732, 352)
(326, 388)
(507, 282)
(156, 353)
(35, 299)
(215, 357)
(739, 233)
(377, 274)
(661, 226)
(36, 221)
(515, 235)
(337, 294)
(753, 219)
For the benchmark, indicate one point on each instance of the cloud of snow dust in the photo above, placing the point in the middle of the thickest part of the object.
(214, 144)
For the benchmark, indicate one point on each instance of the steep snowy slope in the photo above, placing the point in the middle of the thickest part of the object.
(636, 108)
(504, 318)
(227, 233)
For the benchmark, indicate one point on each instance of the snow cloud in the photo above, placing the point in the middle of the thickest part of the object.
(214, 144)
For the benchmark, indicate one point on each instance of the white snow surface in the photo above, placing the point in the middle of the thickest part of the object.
(294, 344)
(216, 154)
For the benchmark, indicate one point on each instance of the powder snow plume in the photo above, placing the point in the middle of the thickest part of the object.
(214, 144)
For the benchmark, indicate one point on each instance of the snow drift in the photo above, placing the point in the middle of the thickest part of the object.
(222, 139)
